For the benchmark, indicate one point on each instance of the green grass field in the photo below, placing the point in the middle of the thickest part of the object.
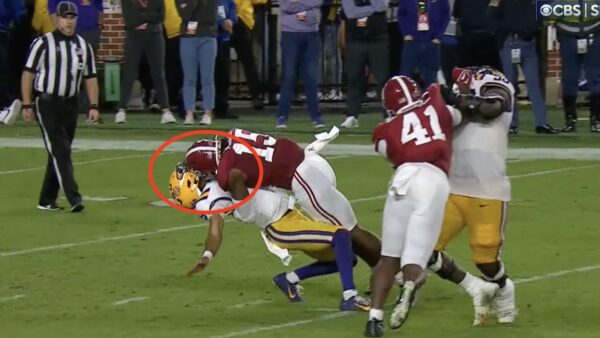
(118, 268)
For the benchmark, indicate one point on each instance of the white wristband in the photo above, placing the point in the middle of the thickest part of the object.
(208, 255)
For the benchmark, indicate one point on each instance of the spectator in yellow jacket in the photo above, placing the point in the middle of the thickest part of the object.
(172, 25)
(42, 22)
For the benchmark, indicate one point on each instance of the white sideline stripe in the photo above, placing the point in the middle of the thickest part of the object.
(340, 314)
(76, 163)
(8, 299)
(101, 198)
(331, 149)
(143, 234)
(281, 326)
(99, 240)
(250, 303)
(129, 300)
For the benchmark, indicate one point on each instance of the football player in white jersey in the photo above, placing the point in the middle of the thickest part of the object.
(480, 192)
(283, 227)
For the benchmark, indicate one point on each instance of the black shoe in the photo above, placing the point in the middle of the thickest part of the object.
(258, 104)
(546, 129)
(227, 117)
(77, 208)
(513, 130)
(570, 126)
(374, 328)
(50, 207)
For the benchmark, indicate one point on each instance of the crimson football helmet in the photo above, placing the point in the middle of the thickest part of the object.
(400, 94)
(204, 156)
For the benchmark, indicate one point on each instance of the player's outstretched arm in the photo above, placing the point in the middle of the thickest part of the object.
(214, 237)
(237, 184)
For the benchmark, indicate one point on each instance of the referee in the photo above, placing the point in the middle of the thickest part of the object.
(56, 64)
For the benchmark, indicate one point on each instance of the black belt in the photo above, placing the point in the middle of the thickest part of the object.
(57, 98)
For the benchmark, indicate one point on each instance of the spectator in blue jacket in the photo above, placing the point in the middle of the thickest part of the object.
(10, 12)
(226, 18)
(300, 50)
(422, 23)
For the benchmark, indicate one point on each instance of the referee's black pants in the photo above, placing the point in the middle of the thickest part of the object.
(57, 119)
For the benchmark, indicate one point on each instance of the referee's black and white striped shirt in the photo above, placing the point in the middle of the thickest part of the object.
(59, 63)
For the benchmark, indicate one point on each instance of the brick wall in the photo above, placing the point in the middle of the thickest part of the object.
(112, 37)
(553, 64)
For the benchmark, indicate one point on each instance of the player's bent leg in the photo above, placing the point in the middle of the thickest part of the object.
(487, 239)
(383, 278)
(314, 188)
(344, 259)
(366, 245)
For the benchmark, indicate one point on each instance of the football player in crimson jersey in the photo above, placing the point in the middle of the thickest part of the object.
(480, 192)
(283, 227)
(286, 165)
(417, 141)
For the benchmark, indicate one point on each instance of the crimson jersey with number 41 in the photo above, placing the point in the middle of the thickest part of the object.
(279, 156)
(423, 134)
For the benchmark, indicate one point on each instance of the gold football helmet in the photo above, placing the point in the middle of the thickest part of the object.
(185, 188)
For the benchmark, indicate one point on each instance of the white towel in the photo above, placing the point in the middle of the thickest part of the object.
(283, 254)
(322, 139)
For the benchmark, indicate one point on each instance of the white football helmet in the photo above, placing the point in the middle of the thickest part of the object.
(486, 81)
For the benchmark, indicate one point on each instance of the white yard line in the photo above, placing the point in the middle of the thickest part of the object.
(99, 240)
(553, 171)
(250, 303)
(257, 329)
(129, 300)
(17, 171)
(11, 298)
(144, 234)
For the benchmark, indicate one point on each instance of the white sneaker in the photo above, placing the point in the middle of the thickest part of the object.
(504, 303)
(13, 112)
(167, 117)
(189, 119)
(350, 122)
(120, 117)
(402, 309)
(482, 294)
(206, 120)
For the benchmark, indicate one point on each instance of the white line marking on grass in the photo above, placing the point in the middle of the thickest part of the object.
(129, 300)
(553, 171)
(17, 171)
(8, 299)
(340, 314)
(250, 303)
(556, 274)
(99, 240)
(282, 326)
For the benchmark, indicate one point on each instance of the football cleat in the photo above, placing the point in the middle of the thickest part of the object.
(402, 309)
(50, 207)
(374, 328)
(291, 291)
(504, 303)
(482, 296)
(356, 303)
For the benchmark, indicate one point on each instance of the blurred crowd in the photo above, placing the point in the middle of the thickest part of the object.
(180, 51)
